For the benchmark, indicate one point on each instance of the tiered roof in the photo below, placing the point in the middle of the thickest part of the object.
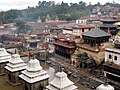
(34, 72)
(16, 64)
(96, 32)
(4, 56)
(33, 38)
(61, 82)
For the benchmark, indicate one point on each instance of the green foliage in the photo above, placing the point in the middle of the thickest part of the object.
(63, 11)
(21, 27)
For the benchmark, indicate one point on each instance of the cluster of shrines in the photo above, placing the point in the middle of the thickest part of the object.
(33, 77)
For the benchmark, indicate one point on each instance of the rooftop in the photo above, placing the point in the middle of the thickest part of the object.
(108, 20)
(66, 37)
(95, 33)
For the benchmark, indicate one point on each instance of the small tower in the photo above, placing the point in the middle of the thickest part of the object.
(34, 78)
(61, 82)
(33, 42)
(39, 19)
(105, 86)
(14, 68)
(48, 19)
(4, 59)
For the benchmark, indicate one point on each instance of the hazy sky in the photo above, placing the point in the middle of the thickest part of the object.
(21, 4)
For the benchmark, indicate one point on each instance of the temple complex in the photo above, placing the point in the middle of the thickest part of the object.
(61, 82)
(14, 68)
(34, 77)
(32, 42)
(65, 45)
(4, 59)
(108, 26)
(94, 43)
(112, 62)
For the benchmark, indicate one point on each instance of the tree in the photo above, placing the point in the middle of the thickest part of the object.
(2, 14)
(21, 28)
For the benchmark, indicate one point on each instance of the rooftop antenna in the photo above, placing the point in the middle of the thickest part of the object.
(15, 51)
(34, 56)
(60, 68)
(29, 55)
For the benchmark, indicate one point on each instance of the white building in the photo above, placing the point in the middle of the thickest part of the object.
(78, 29)
(112, 61)
(34, 77)
(49, 38)
(61, 82)
(4, 59)
(14, 68)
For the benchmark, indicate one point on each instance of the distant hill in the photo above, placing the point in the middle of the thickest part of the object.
(49, 10)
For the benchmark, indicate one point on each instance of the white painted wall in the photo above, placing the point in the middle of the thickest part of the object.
(67, 32)
(76, 32)
(113, 54)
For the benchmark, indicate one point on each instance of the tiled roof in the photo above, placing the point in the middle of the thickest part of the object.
(80, 26)
(38, 32)
(96, 32)
(68, 37)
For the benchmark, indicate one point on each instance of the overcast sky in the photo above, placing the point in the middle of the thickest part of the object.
(22, 4)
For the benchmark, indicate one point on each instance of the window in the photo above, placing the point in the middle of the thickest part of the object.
(115, 58)
(110, 56)
(82, 30)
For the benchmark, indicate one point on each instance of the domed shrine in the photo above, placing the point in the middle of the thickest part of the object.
(105, 86)
(4, 59)
(14, 68)
(61, 82)
(34, 77)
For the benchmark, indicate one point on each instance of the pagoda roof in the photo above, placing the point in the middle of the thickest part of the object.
(61, 82)
(95, 33)
(15, 64)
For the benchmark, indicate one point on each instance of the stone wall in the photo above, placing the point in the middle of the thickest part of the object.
(40, 85)
(12, 77)
(2, 70)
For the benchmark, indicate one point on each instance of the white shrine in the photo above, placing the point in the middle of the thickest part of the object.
(61, 82)
(14, 68)
(105, 86)
(4, 59)
(34, 77)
